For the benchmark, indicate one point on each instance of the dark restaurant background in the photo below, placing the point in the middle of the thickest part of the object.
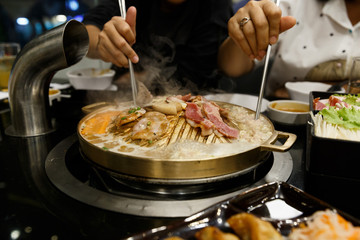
(22, 20)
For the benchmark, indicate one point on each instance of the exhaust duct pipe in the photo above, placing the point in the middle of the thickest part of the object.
(32, 72)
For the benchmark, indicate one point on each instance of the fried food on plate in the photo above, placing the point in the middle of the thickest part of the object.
(249, 227)
(213, 233)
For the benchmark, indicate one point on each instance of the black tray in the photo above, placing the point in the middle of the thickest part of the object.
(284, 205)
(332, 166)
(330, 157)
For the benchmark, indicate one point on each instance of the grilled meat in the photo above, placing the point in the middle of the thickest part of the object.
(152, 126)
(129, 115)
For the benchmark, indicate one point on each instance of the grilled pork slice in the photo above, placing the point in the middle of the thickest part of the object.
(212, 112)
(152, 126)
(195, 118)
(129, 115)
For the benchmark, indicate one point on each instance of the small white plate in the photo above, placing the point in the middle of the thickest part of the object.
(53, 94)
(60, 86)
(245, 100)
(3, 95)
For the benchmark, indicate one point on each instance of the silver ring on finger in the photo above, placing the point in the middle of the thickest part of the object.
(244, 21)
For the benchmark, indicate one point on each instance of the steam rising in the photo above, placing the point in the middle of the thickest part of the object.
(155, 75)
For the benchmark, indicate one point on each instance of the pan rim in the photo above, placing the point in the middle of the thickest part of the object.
(271, 139)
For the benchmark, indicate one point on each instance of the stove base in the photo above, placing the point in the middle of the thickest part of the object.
(76, 185)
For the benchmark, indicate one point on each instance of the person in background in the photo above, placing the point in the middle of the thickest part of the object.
(324, 35)
(175, 42)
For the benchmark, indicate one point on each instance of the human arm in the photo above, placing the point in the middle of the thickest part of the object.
(237, 52)
(113, 43)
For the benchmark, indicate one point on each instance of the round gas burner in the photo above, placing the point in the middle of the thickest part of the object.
(117, 183)
(70, 172)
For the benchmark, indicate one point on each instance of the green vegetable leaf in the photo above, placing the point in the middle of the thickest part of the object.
(351, 99)
(346, 117)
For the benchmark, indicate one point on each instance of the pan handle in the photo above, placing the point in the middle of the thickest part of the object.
(291, 138)
(95, 106)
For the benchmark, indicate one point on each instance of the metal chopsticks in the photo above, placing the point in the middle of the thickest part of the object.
(261, 93)
(131, 68)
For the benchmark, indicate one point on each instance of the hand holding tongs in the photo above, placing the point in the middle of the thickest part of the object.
(131, 68)
(261, 93)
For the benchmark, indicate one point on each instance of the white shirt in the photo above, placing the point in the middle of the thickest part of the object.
(318, 48)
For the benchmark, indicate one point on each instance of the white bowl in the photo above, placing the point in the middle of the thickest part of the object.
(91, 78)
(300, 90)
(54, 94)
(288, 112)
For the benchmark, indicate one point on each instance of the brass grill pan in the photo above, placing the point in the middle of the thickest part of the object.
(187, 169)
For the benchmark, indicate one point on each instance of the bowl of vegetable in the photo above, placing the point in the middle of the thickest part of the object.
(333, 136)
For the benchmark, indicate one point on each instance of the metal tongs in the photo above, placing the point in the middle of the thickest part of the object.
(261, 93)
(131, 68)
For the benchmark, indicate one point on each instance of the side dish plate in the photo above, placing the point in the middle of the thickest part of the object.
(282, 204)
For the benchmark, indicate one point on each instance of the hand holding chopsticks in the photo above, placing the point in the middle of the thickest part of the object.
(255, 26)
(131, 69)
(113, 43)
(252, 30)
